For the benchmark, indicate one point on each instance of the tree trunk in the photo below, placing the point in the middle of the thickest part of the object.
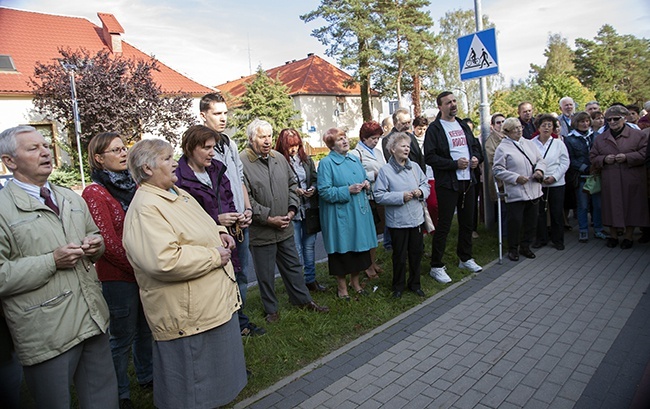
(417, 107)
(364, 76)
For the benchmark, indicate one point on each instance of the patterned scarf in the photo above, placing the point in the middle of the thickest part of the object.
(119, 184)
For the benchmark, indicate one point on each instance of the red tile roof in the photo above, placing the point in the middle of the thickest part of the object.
(310, 76)
(29, 37)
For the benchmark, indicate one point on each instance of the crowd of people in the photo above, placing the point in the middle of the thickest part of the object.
(151, 262)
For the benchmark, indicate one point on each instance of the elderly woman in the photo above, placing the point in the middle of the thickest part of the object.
(518, 163)
(372, 159)
(345, 215)
(181, 259)
(578, 143)
(108, 199)
(289, 144)
(556, 157)
(619, 156)
(402, 187)
(204, 177)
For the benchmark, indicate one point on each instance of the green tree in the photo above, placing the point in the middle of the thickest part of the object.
(114, 94)
(267, 99)
(351, 33)
(559, 59)
(456, 24)
(614, 66)
(409, 47)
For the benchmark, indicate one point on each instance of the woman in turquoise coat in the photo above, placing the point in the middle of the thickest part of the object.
(346, 219)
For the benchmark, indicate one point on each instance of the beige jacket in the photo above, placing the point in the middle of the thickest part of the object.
(172, 244)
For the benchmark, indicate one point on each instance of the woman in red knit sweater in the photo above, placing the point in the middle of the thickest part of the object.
(108, 198)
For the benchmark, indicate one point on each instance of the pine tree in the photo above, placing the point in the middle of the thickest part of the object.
(267, 99)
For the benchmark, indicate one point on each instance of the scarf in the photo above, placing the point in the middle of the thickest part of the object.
(119, 184)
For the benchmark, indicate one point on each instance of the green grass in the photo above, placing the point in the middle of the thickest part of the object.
(302, 337)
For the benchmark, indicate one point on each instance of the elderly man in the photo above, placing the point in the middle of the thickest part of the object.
(525, 111)
(271, 188)
(452, 151)
(567, 108)
(592, 106)
(51, 297)
(402, 123)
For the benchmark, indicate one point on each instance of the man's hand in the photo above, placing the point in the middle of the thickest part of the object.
(225, 255)
(549, 180)
(279, 222)
(474, 162)
(227, 240)
(610, 159)
(91, 245)
(621, 158)
(463, 163)
(67, 256)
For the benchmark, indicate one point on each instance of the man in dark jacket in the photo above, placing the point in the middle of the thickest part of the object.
(452, 151)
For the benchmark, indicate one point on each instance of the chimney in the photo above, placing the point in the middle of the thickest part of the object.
(111, 32)
(310, 55)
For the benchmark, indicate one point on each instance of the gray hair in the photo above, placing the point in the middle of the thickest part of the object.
(509, 124)
(144, 153)
(8, 139)
(591, 103)
(566, 99)
(253, 127)
(398, 111)
(395, 138)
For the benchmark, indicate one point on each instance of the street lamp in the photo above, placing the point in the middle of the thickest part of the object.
(70, 69)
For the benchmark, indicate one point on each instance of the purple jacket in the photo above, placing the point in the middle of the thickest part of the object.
(207, 197)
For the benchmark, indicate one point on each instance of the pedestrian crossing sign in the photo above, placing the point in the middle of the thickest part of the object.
(477, 54)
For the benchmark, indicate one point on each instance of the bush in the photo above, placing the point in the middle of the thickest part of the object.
(65, 176)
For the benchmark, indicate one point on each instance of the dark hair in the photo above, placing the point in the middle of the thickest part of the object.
(99, 144)
(545, 118)
(596, 114)
(580, 116)
(441, 96)
(208, 99)
(196, 136)
(368, 129)
(420, 121)
(495, 116)
(522, 104)
(634, 108)
(289, 137)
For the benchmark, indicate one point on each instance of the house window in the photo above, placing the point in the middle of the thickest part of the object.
(340, 104)
(7, 63)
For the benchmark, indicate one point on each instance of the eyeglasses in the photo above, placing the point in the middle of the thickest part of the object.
(613, 119)
(117, 151)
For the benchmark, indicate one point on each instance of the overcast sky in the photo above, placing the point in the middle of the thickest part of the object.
(214, 41)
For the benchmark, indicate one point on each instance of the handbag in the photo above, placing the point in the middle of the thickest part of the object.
(312, 220)
(592, 184)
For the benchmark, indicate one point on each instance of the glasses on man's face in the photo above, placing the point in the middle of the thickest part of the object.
(614, 119)
(117, 151)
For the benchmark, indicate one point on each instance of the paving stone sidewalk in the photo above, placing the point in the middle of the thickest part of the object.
(568, 329)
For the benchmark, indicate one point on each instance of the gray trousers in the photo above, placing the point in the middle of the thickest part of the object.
(88, 365)
(283, 254)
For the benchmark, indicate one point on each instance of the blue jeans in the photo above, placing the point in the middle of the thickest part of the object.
(583, 209)
(128, 329)
(242, 278)
(305, 244)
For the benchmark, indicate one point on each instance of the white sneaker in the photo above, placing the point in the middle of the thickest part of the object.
(470, 265)
(440, 274)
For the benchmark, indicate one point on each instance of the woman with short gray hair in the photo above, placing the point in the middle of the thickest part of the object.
(181, 259)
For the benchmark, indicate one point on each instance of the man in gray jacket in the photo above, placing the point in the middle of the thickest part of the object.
(272, 191)
(51, 297)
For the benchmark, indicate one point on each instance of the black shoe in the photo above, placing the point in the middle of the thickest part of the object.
(538, 244)
(126, 404)
(559, 246)
(315, 287)
(397, 294)
(526, 252)
(513, 255)
(611, 242)
(252, 330)
(626, 244)
(419, 293)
